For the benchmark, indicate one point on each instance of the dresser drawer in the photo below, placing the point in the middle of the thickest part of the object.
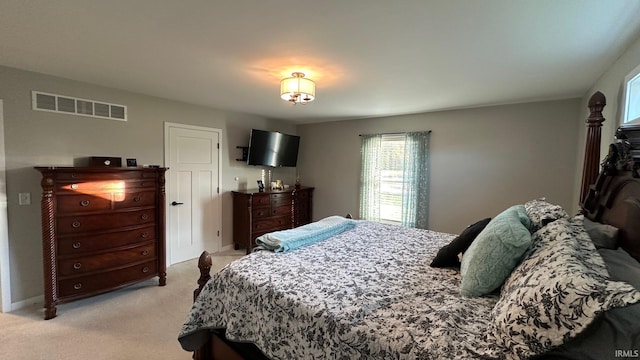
(272, 224)
(302, 194)
(281, 200)
(102, 202)
(101, 176)
(83, 203)
(136, 199)
(78, 245)
(261, 212)
(86, 264)
(258, 200)
(115, 187)
(139, 184)
(83, 285)
(281, 210)
(280, 195)
(88, 223)
(98, 187)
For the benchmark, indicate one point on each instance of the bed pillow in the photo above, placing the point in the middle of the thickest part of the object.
(603, 236)
(448, 255)
(557, 291)
(618, 328)
(542, 213)
(495, 252)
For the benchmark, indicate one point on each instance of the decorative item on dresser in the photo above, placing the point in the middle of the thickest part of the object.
(257, 212)
(102, 229)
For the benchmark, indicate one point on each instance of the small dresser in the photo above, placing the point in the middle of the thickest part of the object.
(257, 213)
(102, 229)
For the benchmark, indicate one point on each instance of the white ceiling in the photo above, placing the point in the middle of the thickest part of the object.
(368, 57)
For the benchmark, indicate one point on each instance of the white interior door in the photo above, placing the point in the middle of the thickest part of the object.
(194, 204)
(5, 278)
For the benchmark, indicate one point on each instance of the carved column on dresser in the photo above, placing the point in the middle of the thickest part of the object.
(591, 169)
(162, 251)
(48, 246)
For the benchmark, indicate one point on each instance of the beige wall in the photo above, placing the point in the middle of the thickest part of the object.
(482, 160)
(611, 84)
(34, 138)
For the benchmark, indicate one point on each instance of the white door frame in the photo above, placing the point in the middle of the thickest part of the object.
(5, 265)
(168, 196)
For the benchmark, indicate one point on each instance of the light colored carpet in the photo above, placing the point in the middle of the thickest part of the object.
(141, 321)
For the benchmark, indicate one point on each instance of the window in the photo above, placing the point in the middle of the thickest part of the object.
(394, 182)
(632, 96)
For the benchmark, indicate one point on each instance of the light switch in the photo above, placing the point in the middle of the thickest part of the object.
(24, 198)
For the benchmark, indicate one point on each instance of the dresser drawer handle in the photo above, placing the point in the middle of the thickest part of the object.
(145, 252)
(76, 245)
(145, 269)
(73, 186)
(84, 203)
(75, 224)
(77, 286)
(144, 216)
(77, 265)
(144, 235)
(137, 198)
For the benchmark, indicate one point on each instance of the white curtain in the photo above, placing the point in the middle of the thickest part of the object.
(370, 178)
(414, 166)
(415, 195)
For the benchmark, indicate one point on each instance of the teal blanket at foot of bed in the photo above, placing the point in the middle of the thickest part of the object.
(292, 239)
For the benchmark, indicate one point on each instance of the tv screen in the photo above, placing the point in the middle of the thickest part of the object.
(270, 148)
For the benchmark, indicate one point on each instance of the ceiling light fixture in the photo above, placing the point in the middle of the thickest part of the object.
(297, 89)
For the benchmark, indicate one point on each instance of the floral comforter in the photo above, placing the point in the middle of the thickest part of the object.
(368, 293)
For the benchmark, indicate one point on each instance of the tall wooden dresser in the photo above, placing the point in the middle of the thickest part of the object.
(102, 229)
(257, 213)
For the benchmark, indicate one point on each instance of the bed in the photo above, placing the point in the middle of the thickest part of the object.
(569, 290)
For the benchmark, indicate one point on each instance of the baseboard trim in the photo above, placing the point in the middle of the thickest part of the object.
(227, 248)
(27, 302)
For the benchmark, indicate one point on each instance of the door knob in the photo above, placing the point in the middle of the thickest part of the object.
(176, 203)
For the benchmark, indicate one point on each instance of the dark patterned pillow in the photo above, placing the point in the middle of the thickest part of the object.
(448, 255)
(555, 293)
(542, 212)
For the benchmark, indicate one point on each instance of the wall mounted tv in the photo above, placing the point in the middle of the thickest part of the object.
(270, 148)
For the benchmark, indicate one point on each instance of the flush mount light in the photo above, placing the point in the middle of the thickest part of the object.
(297, 89)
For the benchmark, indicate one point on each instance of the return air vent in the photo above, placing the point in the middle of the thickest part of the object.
(83, 107)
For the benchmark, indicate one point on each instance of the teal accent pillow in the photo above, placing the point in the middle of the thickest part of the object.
(496, 251)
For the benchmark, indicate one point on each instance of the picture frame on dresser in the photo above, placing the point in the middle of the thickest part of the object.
(103, 228)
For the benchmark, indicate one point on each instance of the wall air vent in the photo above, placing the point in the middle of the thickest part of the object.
(70, 105)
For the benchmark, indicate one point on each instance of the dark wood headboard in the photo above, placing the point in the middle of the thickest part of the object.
(614, 198)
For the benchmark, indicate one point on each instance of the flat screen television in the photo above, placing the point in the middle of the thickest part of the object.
(271, 148)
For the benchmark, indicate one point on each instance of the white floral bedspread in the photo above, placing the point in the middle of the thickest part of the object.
(368, 293)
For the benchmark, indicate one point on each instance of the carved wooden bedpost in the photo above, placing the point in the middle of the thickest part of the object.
(204, 264)
(591, 168)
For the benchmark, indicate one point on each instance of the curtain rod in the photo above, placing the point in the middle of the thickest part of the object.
(395, 133)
